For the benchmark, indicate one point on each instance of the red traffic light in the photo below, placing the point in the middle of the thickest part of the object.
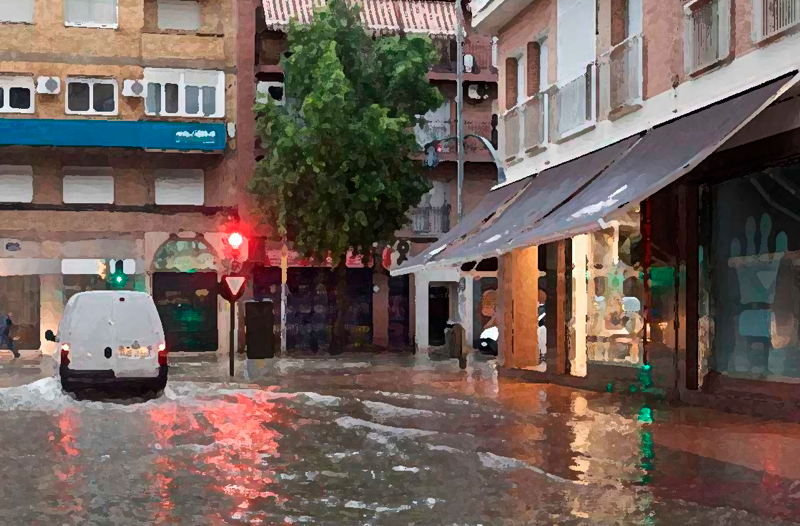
(235, 240)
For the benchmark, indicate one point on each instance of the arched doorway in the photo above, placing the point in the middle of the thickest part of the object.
(185, 293)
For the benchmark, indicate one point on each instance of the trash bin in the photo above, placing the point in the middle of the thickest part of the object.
(259, 329)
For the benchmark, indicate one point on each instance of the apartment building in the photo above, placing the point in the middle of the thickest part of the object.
(384, 309)
(118, 158)
(651, 198)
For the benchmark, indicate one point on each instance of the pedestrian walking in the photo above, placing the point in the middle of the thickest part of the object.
(5, 334)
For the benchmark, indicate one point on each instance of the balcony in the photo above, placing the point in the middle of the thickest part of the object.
(621, 78)
(706, 33)
(474, 149)
(481, 50)
(525, 127)
(430, 220)
(573, 107)
(772, 17)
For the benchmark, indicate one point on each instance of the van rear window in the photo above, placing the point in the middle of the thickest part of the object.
(133, 318)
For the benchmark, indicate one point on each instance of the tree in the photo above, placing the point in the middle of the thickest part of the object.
(338, 176)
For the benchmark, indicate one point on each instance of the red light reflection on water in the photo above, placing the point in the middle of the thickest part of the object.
(66, 468)
(221, 442)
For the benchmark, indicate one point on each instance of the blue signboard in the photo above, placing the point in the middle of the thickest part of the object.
(152, 135)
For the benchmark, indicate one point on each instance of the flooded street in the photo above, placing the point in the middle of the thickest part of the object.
(384, 442)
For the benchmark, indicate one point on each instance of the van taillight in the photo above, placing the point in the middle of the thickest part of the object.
(162, 354)
(64, 354)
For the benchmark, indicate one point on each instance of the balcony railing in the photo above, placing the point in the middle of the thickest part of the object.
(573, 106)
(771, 17)
(479, 48)
(706, 33)
(525, 126)
(621, 75)
(431, 220)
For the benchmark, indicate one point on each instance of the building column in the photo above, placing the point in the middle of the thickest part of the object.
(518, 308)
(51, 308)
(421, 292)
(580, 304)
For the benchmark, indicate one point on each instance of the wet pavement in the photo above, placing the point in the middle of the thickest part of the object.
(387, 441)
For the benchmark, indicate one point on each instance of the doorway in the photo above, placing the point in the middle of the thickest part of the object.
(438, 314)
(187, 305)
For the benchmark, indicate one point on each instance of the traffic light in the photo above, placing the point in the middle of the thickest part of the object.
(117, 278)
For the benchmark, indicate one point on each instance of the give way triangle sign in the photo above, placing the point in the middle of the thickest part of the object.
(233, 287)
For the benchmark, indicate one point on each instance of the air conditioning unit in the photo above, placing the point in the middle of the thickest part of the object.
(270, 90)
(469, 63)
(48, 85)
(133, 88)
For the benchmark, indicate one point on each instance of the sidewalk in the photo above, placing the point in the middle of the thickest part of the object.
(29, 367)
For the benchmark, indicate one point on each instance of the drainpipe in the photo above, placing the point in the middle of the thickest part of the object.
(460, 105)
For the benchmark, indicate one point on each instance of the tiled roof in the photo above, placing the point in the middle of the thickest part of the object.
(384, 16)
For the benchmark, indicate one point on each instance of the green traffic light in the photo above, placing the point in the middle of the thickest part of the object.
(119, 279)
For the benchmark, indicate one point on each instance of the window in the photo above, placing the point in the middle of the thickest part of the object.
(753, 275)
(707, 33)
(179, 14)
(186, 93)
(92, 96)
(512, 70)
(180, 187)
(90, 13)
(16, 94)
(16, 184)
(18, 11)
(270, 90)
(520, 81)
(543, 69)
(88, 186)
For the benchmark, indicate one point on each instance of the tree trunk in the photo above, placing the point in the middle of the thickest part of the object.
(339, 333)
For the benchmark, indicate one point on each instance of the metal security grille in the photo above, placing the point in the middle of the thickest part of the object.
(778, 15)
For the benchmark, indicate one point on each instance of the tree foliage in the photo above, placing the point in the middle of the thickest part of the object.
(337, 175)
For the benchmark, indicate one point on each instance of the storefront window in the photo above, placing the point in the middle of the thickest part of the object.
(616, 292)
(755, 275)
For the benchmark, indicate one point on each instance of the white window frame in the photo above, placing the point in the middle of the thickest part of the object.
(723, 26)
(19, 174)
(7, 82)
(95, 25)
(262, 92)
(179, 77)
(98, 175)
(757, 23)
(31, 9)
(91, 82)
(167, 197)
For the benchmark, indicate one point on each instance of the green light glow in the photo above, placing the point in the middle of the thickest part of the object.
(119, 279)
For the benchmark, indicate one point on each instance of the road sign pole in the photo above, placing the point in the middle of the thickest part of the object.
(232, 289)
(233, 331)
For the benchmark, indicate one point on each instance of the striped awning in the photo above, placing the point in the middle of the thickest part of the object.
(383, 16)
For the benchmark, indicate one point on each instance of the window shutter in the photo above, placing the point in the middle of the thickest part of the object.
(16, 11)
(104, 12)
(179, 14)
(533, 67)
(88, 189)
(180, 187)
(511, 83)
(16, 187)
(724, 17)
(688, 37)
(78, 11)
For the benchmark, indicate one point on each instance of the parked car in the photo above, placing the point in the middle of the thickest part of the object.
(488, 340)
(111, 336)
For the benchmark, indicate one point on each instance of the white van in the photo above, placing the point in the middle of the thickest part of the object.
(111, 335)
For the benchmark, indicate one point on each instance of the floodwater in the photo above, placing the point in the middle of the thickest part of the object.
(384, 442)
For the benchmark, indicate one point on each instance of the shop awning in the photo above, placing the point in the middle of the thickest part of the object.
(481, 213)
(664, 155)
(433, 18)
(545, 192)
(578, 196)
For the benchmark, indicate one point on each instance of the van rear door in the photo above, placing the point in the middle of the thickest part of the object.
(89, 331)
(136, 327)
